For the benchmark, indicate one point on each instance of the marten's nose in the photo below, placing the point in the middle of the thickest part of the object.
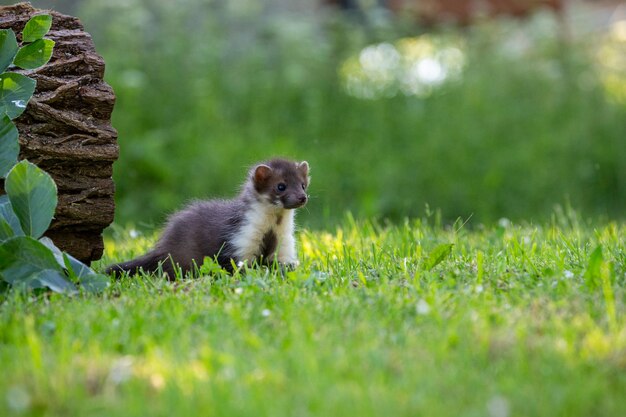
(302, 199)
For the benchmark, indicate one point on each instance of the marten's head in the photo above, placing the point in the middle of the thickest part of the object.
(282, 183)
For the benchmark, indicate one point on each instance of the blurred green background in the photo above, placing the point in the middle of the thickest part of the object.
(506, 118)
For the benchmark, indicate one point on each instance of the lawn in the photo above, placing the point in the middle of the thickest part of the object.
(378, 320)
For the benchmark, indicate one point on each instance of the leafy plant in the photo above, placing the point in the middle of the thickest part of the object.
(28, 260)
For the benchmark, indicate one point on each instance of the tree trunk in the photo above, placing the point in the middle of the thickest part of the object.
(66, 130)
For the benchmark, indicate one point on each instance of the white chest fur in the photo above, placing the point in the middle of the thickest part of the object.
(259, 220)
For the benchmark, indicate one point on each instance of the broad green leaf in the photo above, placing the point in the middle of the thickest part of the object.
(8, 48)
(33, 195)
(58, 255)
(23, 253)
(37, 27)
(438, 255)
(7, 213)
(76, 268)
(77, 271)
(46, 278)
(95, 282)
(15, 92)
(26, 262)
(54, 280)
(5, 230)
(35, 54)
(9, 145)
(87, 277)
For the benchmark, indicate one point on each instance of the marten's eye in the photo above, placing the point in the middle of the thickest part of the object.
(281, 187)
(303, 186)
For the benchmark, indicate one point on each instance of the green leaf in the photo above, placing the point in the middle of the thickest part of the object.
(6, 232)
(95, 282)
(37, 27)
(56, 252)
(35, 54)
(33, 195)
(15, 92)
(52, 279)
(438, 255)
(8, 48)
(9, 145)
(21, 254)
(75, 267)
(7, 213)
(87, 277)
(26, 262)
(77, 271)
(594, 269)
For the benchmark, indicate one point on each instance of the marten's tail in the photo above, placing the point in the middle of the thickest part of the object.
(148, 263)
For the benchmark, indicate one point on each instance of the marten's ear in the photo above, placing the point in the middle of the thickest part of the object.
(262, 173)
(303, 167)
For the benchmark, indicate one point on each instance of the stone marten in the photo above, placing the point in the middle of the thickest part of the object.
(255, 227)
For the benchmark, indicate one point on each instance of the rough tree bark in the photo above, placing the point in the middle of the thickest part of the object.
(66, 130)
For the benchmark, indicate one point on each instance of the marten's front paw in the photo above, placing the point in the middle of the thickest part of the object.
(289, 266)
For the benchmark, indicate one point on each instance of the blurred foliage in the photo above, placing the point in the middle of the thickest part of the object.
(206, 88)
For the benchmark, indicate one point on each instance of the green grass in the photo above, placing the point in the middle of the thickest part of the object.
(517, 320)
